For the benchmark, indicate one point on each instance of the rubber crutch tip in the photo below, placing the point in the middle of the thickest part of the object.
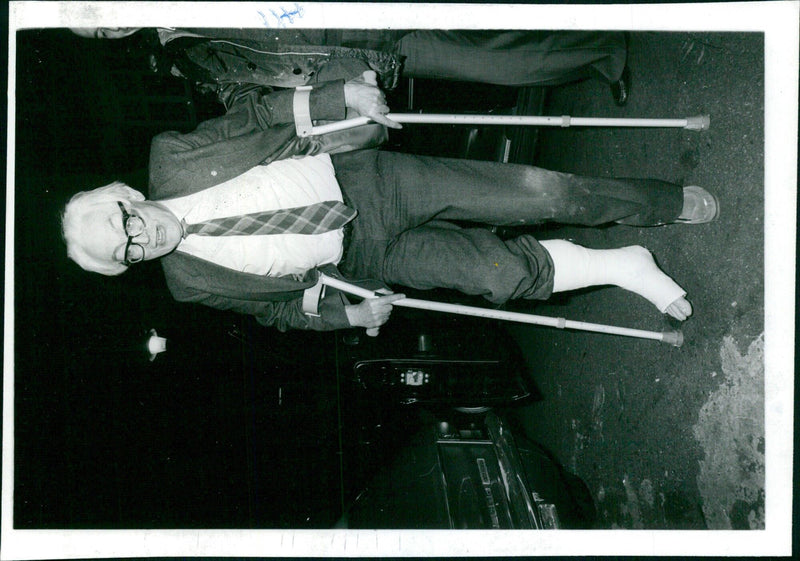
(674, 338)
(698, 123)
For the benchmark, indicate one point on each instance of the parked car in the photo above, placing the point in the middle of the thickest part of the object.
(437, 450)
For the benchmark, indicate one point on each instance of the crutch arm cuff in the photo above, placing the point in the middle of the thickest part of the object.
(301, 107)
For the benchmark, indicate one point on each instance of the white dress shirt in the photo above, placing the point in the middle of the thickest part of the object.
(281, 184)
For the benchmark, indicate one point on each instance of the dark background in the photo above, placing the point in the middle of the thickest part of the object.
(235, 425)
(106, 438)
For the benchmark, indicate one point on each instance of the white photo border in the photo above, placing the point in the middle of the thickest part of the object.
(777, 20)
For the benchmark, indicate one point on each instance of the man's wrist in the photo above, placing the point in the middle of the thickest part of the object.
(351, 312)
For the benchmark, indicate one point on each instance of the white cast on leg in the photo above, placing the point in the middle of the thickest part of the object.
(632, 268)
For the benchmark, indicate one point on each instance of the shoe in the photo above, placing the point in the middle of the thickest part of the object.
(699, 206)
(621, 89)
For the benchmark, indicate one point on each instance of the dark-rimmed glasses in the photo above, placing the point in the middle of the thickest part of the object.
(133, 226)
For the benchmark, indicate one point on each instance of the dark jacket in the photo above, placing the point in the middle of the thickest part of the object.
(259, 129)
(221, 62)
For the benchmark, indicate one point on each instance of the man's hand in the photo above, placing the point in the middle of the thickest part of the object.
(363, 95)
(372, 312)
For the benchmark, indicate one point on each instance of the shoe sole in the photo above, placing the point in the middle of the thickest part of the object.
(713, 218)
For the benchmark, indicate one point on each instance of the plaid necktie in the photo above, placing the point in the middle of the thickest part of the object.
(311, 219)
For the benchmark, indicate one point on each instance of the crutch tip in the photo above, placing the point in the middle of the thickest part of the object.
(674, 338)
(698, 123)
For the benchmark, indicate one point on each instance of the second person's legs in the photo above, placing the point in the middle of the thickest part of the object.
(514, 58)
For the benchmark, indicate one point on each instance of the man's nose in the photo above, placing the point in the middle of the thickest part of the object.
(143, 238)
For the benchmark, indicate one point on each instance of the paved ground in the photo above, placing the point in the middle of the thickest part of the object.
(666, 437)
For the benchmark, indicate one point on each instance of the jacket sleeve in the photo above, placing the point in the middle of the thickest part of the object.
(274, 302)
(283, 315)
(258, 129)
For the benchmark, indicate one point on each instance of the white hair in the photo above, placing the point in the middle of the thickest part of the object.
(85, 32)
(73, 216)
(104, 32)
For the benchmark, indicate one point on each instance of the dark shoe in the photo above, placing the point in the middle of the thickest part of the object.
(621, 89)
(699, 206)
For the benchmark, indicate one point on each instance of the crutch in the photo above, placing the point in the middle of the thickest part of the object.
(698, 122)
(674, 338)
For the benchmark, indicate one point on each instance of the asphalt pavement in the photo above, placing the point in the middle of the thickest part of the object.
(665, 437)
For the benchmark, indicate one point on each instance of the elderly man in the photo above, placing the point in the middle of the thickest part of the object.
(207, 186)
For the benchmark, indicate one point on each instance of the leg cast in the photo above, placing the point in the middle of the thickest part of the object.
(632, 268)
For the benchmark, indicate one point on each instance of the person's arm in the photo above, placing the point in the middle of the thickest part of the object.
(363, 95)
(257, 130)
(335, 312)
(283, 315)
(372, 312)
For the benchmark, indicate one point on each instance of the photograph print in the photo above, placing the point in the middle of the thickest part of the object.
(279, 279)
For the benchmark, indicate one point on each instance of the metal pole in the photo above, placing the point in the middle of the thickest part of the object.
(699, 122)
(674, 338)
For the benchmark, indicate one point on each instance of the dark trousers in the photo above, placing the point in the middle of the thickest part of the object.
(514, 58)
(404, 233)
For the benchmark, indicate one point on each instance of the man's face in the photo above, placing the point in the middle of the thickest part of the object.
(156, 231)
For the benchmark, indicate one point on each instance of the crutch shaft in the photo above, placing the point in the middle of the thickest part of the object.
(674, 338)
(699, 122)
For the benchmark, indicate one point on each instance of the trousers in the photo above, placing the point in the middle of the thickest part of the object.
(419, 217)
(502, 57)
(514, 58)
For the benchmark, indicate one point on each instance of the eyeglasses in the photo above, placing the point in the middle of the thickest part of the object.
(134, 226)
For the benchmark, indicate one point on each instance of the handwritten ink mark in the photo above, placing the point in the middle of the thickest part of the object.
(283, 17)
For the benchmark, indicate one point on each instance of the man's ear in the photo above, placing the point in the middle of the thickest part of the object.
(119, 189)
